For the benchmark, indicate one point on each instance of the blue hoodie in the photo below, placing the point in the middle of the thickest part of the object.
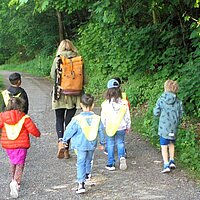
(169, 110)
(78, 140)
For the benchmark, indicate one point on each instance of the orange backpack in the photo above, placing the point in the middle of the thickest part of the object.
(71, 79)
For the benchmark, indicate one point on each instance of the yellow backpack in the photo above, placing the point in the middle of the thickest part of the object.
(6, 96)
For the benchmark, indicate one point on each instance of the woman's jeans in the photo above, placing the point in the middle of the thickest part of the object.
(84, 164)
(117, 139)
(63, 117)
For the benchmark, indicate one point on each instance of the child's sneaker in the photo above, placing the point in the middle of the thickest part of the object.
(125, 153)
(81, 188)
(172, 164)
(110, 167)
(88, 177)
(166, 169)
(14, 189)
(122, 165)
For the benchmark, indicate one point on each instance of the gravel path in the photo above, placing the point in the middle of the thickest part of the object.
(46, 177)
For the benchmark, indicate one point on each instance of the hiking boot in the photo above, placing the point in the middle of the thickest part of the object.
(61, 150)
(172, 164)
(81, 188)
(66, 154)
(14, 189)
(166, 169)
(110, 167)
(122, 165)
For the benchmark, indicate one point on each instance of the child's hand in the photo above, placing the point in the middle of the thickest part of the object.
(128, 131)
(101, 147)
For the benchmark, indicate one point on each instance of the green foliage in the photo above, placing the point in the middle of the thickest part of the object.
(40, 66)
(188, 149)
(25, 34)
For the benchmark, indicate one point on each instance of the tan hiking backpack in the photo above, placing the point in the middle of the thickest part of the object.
(71, 75)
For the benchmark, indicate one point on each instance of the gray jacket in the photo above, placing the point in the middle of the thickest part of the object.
(169, 110)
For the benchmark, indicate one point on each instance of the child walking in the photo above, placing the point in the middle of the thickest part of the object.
(15, 90)
(16, 127)
(169, 110)
(115, 116)
(83, 131)
(124, 97)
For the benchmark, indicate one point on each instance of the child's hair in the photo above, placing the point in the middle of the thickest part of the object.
(15, 103)
(66, 45)
(113, 93)
(171, 86)
(87, 100)
(14, 78)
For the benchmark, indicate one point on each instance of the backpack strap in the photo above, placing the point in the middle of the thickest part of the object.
(6, 96)
(13, 131)
(115, 120)
(90, 131)
(124, 95)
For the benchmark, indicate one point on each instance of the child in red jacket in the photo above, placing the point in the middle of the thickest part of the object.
(16, 126)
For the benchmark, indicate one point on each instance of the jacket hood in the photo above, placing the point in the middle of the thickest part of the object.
(116, 106)
(11, 117)
(14, 90)
(168, 97)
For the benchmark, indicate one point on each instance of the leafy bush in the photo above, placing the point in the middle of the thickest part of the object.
(40, 66)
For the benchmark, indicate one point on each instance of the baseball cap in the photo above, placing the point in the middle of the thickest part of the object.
(112, 83)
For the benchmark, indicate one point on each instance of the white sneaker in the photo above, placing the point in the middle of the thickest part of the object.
(88, 177)
(172, 165)
(166, 170)
(110, 167)
(122, 165)
(14, 189)
(81, 188)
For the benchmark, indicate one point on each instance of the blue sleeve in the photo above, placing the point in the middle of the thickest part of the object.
(101, 132)
(70, 130)
(157, 109)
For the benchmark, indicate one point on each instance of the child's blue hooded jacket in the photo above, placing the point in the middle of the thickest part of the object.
(169, 110)
(78, 140)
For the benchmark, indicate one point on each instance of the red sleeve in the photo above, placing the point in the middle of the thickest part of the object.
(1, 121)
(31, 127)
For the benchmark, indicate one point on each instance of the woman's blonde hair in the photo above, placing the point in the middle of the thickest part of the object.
(66, 45)
(171, 86)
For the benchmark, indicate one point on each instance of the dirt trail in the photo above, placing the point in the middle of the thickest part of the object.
(46, 177)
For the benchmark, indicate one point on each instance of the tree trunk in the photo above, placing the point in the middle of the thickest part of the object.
(61, 26)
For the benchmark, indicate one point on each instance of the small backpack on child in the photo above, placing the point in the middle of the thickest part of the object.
(7, 95)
